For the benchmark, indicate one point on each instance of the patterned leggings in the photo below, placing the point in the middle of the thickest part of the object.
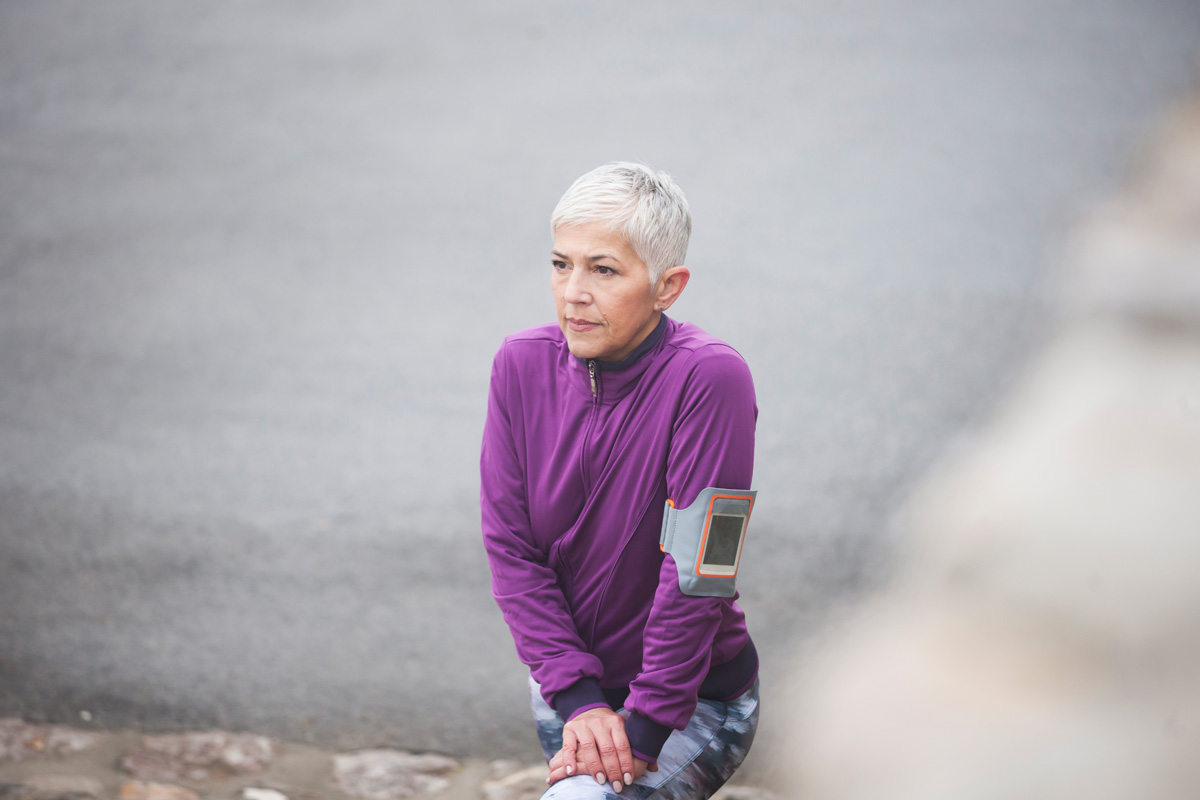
(694, 763)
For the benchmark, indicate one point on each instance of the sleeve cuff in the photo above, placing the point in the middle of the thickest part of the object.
(646, 737)
(582, 695)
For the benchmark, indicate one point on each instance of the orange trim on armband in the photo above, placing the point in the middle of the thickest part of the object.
(671, 503)
(737, 562)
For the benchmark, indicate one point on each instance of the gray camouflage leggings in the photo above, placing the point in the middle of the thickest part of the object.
(694, 762)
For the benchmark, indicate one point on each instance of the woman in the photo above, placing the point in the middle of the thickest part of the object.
(640, 688)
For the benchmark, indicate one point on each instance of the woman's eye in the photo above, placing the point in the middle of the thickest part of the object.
(603, 270)
(559, 265)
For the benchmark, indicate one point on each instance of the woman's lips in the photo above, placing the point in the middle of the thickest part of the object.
(581, 325)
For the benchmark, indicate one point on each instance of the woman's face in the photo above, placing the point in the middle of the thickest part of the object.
(602, 292)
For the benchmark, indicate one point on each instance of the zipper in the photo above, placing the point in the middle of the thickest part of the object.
(587, 434)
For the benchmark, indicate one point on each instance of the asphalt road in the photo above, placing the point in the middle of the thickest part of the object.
(255, 259)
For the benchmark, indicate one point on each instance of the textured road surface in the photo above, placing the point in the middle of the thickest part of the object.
(255, 259)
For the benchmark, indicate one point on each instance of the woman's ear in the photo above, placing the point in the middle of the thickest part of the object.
(670, 285)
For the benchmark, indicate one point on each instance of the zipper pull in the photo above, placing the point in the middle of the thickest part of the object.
(592, 375)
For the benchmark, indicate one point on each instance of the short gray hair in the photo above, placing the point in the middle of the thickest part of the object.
(644, 205)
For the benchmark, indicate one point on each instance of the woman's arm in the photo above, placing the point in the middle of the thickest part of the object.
(523, 582)
(712, 445)
(527, 590)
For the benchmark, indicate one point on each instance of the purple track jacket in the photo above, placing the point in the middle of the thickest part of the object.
(578, 460)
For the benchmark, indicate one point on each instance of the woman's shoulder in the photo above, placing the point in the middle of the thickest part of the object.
(700, 347)
(706, 365)
(540, 339)
(550, 332)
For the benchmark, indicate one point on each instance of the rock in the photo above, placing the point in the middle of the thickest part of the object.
(198, 756)
(523, 784)
(20, 739)
(52, 788)
(47, 786)
(255, 793)
(139, 790)
(743, 793)
(384, 774)
(148, 764)
(503, 767)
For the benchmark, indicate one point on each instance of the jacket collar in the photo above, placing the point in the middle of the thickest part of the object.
(646, 346)
(614, 379)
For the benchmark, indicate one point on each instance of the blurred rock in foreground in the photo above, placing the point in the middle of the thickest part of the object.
(1041, 636)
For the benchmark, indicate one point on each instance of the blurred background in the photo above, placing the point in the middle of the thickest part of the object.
(255, 259)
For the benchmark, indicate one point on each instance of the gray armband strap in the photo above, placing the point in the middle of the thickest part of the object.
(706, 538)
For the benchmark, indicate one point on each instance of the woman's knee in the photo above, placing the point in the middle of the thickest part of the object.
(582, 787)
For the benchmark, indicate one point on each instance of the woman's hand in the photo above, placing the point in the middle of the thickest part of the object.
(558, 770)
(594, 743)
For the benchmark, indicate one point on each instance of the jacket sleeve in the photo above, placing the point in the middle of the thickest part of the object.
(523, 582)
(712, 444)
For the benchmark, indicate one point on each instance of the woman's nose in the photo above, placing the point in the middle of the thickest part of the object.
(576, 291)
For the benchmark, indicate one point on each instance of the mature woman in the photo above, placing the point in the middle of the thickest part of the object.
(643, 676)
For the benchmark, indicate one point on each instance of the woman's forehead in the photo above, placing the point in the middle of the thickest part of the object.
(592, 240)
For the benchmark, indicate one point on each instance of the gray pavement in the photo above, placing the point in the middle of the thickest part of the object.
(255, 259)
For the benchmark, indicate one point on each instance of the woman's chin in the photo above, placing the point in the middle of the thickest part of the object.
(584, 352)
(584, 348)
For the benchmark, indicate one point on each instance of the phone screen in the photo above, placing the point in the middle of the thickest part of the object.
(724, 538)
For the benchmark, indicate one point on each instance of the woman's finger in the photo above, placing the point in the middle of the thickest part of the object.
(624, 754)
(563, 771)
(568, 751)
(606, 748)
(612, 748)
(556, 775)
(588, 754)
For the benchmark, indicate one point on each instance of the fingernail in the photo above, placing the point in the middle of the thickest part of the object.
(617, 787)
(570, 769)
(628, 779)
(599, 777)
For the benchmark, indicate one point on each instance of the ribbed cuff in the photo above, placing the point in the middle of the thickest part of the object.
(582, 695)
(646, 737)
(734, 677)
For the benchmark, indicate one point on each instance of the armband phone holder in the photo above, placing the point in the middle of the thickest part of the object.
(706, 539)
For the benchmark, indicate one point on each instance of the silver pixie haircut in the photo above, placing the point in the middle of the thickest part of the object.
(645, 206)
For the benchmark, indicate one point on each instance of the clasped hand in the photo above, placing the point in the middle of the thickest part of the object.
(594, 743)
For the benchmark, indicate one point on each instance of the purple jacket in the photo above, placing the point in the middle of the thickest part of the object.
(578, 461)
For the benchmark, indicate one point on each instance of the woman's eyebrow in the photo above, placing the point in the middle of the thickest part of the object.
(557, 254)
